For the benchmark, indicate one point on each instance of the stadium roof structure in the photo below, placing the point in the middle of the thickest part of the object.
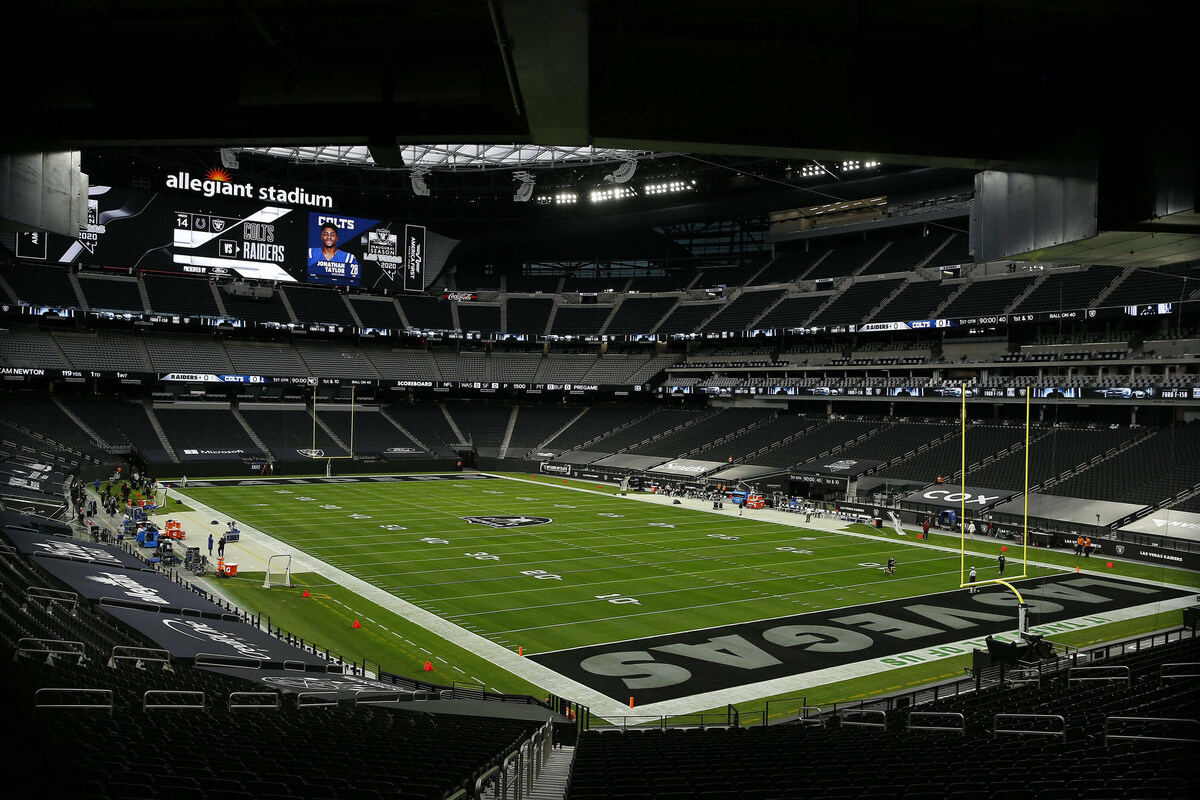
(460, 156)
(1015, 88)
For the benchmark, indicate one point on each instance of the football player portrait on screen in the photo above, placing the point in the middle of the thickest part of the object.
(328, 253)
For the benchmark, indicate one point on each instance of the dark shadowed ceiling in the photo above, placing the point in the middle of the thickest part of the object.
(950, 84)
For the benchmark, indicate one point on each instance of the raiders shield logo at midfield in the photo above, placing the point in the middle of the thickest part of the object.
(510, 521)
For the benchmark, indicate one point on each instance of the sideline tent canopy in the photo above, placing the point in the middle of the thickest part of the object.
(1167, 523)
(32, 543)
(977, 499)
(115, 586)
(685, 468)
(1085, 515)
(189, 637)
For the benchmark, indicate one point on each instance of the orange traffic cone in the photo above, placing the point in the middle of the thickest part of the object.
(428, 666)
(356, 624)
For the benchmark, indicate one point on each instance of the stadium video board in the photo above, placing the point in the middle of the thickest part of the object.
(246, 232)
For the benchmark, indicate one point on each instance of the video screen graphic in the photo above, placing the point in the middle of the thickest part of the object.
(249, 246)
(239, 236)
(334, 247)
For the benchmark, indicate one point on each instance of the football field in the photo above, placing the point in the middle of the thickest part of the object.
(548, 569)
(623, 596)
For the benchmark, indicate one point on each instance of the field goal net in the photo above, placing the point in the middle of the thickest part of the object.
(279, 571)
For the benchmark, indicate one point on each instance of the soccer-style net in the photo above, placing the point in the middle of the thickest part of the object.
(279, 571)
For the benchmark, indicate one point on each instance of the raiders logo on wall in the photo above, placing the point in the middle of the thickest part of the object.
(508, 521)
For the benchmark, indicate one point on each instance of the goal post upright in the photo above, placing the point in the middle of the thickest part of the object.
(962, 492)
(1025, 515)
(350, 444)
(1022, 606)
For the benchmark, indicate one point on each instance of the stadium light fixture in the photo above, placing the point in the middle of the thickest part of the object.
(229, 159)
(600, 195)
(417, 176)
(669, 187)
(622, 174)
(525, 190)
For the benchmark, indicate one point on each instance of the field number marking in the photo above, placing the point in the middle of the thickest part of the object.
(393, 527)
(541, 575)
(619, 599)
(482, 556)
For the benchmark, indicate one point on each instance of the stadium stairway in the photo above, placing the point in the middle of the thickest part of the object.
(383, 413)
(453, 426)
(508, 431)
(100, 443)
(259, 443)
(148, 404)
(551, 784)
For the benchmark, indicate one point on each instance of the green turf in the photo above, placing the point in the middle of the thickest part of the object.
(684, 568)
(384, 640)
(551, 587)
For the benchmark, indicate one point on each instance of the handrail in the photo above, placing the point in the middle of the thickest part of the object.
(49, 691)
(1021, 732)
(867, 712)
(375, 697)
(234, 662)
(804, 718)
(502, 792)
(1194, 673)
(1187, 723)
(319, 699)
(482, 777)
(53, 595)
(139, 654)
(961, 728)
(1120, 672)
(236, 701)
(23, 648)
(149, 703)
